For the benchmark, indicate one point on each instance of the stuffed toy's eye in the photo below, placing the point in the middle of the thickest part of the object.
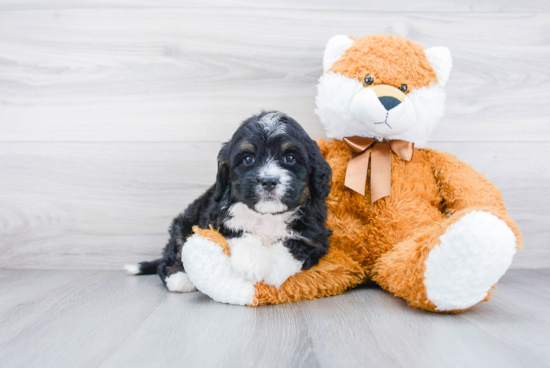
(404, 88)
(290, 159)
(368, 80)
(248, 160)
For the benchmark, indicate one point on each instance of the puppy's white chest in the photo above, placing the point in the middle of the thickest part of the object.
(266, 227)
(259, 254)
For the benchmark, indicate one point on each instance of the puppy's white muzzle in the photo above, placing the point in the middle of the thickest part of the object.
(394, 118)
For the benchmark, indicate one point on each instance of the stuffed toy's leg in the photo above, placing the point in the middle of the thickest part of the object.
(450, 266)
(453, 265)
(205, 256)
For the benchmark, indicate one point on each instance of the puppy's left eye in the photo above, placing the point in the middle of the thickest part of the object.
(289, 159)
(248, 160)
(404, 88)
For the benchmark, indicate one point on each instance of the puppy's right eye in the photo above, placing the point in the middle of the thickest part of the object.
(248, 160)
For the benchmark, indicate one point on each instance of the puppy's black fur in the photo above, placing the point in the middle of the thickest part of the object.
(237, 181)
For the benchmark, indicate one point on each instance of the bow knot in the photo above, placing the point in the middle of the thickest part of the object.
(362, 148)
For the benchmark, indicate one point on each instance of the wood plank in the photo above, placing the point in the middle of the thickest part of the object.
(523, 180)
(80, 322)
(502, 319)
(101, 205)
(176, 74)
(120, 197)
(497, 6)
(109, 319)
(404, 337)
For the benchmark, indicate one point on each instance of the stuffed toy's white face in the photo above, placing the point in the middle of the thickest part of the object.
(378, 87)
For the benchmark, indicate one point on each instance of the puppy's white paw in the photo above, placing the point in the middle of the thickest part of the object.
(249, 258)
(283, 265)
(473, 254)
(211, 272)
(179, 282)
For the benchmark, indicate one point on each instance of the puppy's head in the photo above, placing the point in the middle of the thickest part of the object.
(271, 165)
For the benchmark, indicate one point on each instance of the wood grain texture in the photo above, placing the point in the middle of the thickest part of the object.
(108, 319)
(112, 112)
(429, 6)
(101, 205)
(120, 73)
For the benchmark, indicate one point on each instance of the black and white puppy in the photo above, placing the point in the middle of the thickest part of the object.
(268, 202)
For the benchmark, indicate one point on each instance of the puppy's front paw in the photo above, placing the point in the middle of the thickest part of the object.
(249, 258)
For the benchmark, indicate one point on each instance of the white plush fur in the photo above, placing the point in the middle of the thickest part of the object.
(472, 256)
(211, 272)
(335, 48)
(336, 94)
(369, 111)
(179, 282)
(441, 61)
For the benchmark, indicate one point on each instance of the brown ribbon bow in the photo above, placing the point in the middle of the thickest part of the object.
(380, 172)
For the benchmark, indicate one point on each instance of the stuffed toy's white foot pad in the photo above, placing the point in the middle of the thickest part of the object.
(473, 254)
(211, 272)
(179, 282)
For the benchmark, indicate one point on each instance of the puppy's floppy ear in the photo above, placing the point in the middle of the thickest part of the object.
(321, 174)
(222, 178)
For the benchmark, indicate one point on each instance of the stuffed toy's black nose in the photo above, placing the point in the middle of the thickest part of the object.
(389, 102)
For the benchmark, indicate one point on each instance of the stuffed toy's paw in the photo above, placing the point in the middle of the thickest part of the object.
(472, 255)
(228, 270)
(206, 261)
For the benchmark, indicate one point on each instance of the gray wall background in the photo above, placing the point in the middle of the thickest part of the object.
(112, 112)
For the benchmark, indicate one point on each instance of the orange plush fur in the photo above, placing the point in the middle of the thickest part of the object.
(388, 242)
(387, 60)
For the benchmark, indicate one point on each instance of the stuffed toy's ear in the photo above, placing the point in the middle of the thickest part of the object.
(441, 61)
(334, 50)
(222, 178)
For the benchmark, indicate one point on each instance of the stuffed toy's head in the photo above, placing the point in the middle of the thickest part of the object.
(382, 87)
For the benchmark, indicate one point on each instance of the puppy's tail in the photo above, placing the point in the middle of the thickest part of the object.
(143, 268)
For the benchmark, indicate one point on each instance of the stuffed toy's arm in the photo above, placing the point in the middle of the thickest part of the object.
(206, 258)
(465, 190)
(334, 274)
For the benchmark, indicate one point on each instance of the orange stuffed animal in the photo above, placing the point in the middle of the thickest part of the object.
(420, 223)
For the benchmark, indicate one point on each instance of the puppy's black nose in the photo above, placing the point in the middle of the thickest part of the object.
(389, 102)
(269, 183)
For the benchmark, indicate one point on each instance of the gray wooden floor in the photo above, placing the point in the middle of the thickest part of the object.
(69, 318)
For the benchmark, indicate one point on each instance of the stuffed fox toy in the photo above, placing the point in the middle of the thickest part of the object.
(420, 223)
